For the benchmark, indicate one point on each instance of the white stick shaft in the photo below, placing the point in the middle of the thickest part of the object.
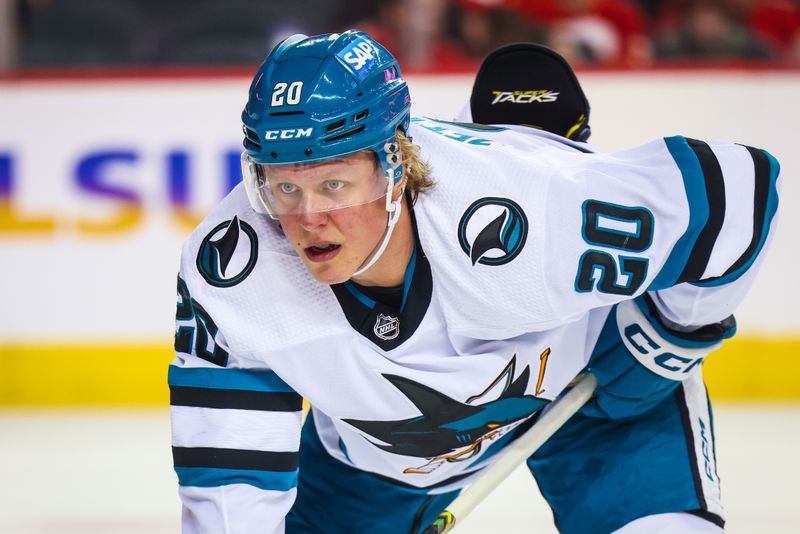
(547, 425)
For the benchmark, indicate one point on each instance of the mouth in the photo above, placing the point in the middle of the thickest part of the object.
(322, 251)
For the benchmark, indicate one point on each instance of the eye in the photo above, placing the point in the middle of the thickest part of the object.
(287, 188)
(334, 185)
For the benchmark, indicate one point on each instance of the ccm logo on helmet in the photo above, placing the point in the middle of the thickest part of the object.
(289, 133)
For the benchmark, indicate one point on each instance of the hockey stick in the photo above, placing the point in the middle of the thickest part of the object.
(554, 418)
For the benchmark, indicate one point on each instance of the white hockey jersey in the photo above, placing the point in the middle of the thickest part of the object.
(523, 248)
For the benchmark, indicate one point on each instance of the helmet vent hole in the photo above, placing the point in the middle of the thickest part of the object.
(332, 127)
(253, 136)
(308, 152)
(361, 115)
(249, 145)
(273, 154)
(348, 133)
(284, 113)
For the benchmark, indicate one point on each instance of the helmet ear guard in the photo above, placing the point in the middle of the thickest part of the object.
(392, 151)
(392, 163)
(392, 160)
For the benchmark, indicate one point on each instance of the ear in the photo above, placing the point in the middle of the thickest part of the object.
(399, 188)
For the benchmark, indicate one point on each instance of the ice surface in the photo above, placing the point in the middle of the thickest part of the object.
(110, 471)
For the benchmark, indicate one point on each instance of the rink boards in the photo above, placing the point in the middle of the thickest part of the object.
(102, 179)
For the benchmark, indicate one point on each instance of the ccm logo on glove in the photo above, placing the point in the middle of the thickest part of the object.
(652, 350)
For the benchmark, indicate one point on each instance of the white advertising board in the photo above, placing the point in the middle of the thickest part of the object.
(100, 181)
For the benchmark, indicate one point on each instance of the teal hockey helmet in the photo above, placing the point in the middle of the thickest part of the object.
(323, 97)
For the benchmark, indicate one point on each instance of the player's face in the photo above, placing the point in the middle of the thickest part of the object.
(333, 244)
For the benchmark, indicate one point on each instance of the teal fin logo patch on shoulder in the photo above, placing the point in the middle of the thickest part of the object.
(228, 253)
(492, 231)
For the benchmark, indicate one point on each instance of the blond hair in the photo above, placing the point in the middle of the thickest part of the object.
(416, 170)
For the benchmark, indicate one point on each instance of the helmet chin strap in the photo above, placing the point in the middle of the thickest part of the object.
(391, 159)
(394, 208)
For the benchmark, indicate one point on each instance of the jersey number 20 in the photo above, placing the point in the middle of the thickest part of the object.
(614, 227)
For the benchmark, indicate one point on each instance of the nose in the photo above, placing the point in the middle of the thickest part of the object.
(311, 213)
(311, 221)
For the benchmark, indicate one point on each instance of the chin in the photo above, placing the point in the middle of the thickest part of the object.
(329, 276)
(329, 281)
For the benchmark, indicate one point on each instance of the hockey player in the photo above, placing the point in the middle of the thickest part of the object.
(429, 287)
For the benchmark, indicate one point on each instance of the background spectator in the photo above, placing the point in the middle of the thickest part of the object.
(480, 26)
(705, 29)
(413, 30)
(595, 31)
(427, 35)
(777, 23)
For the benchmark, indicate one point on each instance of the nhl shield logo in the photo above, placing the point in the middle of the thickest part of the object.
(386, 327)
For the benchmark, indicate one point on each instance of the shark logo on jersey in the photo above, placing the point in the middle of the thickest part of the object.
(386, 327)
(492, 231)
(448, 430)
(228, 253)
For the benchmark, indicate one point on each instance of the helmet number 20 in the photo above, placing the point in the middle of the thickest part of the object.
(292, 95)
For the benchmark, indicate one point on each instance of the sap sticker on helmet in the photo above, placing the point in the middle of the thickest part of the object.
(361, 55)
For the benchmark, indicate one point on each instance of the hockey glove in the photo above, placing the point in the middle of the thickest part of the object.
(639, 361)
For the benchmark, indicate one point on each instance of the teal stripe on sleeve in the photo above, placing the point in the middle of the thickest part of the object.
(210, 477)
(226, 378)
(695, 187)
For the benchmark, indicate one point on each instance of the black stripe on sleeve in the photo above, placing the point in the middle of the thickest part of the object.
(680, 398)
(715, 192)
(234, 459)
(710, 333)
(760, 197)
(274, 401)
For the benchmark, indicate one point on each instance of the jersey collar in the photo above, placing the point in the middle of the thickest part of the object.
(385, 325)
